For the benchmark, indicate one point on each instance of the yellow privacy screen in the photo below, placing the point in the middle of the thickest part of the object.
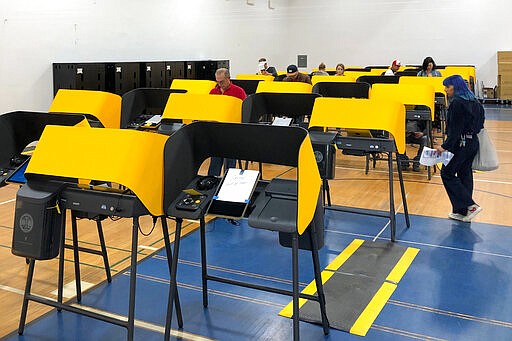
(197, 107)
(284, 87)
(127, 157)
(408, 94)
(106, 107)
(336, 79)
(352, 113)
(309, 183)
(193, 86)
(248, 76)
(436, 82)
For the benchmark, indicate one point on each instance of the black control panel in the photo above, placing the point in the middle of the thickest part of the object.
(193, 202)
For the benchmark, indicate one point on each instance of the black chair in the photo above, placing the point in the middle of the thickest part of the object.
(378, 79)
(407, 73)
(249, 85)
(187, 149)
(342, 89)
(279, 78)
(138, 104)
(382, 67)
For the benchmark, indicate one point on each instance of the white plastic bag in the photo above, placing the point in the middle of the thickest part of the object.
(486, 158)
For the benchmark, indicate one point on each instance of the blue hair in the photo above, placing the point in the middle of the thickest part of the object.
(460, 87)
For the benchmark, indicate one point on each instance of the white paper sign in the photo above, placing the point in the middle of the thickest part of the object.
(282, 121)
(238, 185)
(431, 157)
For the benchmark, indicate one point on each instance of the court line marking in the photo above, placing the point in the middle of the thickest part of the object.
(232, 271)
(450, 313)
(433, 176)
(251, 300)
(405, 333)
(426, 244)
(138, 323)
(148, 247)
(7, 202)
(389, 221)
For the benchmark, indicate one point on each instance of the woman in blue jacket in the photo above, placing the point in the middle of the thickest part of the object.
(464, 120)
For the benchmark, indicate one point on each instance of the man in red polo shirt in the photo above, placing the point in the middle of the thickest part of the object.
(224, 87)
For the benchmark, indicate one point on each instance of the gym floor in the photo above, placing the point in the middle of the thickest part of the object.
(457, 288)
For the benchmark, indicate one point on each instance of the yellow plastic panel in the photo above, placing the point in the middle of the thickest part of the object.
(408, 94)
(309, 183)
(248, 76)
(464, 71)
(105, 106)
(436, 82)
(352, 113)
(124, 156)
(284, 87)
(357, 74)
(200, 107)
(323, 79)
(193, 86)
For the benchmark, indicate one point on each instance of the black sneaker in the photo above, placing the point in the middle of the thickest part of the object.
(416, 164)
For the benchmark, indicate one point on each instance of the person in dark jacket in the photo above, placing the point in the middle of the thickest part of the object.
(464, 120)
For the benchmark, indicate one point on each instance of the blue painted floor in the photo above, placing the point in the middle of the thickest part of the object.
(459, 287)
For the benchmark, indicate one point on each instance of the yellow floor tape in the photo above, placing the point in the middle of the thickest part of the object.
(377, 303)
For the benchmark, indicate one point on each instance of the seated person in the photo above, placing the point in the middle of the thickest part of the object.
(224, 87)
(340, 70)
(416, 133)
(293, 75)
(321, 71)
(265, 69)
(395, 66)
(428, 69)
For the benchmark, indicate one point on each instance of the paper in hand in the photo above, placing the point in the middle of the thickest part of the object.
(431, 157)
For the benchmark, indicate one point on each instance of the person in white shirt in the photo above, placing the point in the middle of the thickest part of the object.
(393, 69)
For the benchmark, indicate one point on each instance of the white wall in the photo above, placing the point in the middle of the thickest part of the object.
(35, 33)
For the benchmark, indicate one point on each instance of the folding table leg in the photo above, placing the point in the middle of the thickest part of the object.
(104, 250)
(60, 285)
(204, 271)
(404, 197)
(318, 280)
(76, 257)
(133, 278)
(28, 286)
(295, 275)
(177, 305)
(173, 288)
(391, 197)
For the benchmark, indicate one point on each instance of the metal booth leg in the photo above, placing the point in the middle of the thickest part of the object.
(76, 257)
(295, 279)
(60, 285)
(318, 280)
(391, 197)
(133, 278)
(404, 197)
(204, 271)
(177, 304)
(104, 250)
(327, 191)
(28, 286)
(172, 288)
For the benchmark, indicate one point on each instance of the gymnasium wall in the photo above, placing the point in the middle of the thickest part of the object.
(33, 34)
